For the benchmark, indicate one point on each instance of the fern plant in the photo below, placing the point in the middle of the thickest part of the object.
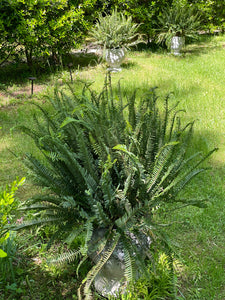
(178, 20)
(109, 162)
(115, 31)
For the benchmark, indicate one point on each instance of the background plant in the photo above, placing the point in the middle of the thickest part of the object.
(45, 29)
(144, 13)
(178, 20)
(115, 30)
(40, 28)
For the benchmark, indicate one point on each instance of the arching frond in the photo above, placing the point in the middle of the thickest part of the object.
(94, 271)
(67, 256)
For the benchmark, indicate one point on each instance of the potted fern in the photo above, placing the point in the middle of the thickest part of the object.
(175, 24)
(108, 165)
(115, 33)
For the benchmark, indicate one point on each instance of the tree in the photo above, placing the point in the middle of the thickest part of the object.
(212, 12)
(147, 12)
(41, 27)
(8, 25)
(144, 12)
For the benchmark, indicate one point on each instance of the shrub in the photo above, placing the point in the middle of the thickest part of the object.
(109, 162)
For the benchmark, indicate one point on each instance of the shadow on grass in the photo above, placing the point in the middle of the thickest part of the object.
(128, 65)
(32, 282)
(18, 72)
(203, 45)
(82, 60)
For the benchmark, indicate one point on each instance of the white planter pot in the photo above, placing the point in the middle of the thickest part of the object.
(177, 44)
(114, 58)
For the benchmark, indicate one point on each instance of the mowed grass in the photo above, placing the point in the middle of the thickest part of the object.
(197, 81)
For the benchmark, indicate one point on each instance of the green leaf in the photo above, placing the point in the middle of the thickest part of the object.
(5, 237)
(69, 120)
(2, 253)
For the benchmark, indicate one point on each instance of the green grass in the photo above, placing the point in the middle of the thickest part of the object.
(197, 81)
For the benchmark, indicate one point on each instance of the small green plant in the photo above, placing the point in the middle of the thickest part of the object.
(7, 206)
(109, 163)
(115, 31)
(159, 284)
(6, 262)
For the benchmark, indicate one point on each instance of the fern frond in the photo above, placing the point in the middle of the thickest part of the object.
(101, 215)
(49, 121)
(75, 232)
(80, 264)
(88, 227)
(38, 207)
(129, 259)
(66, 257)
(42, 174)
(161, 162)
(39, 222)
(94, 271)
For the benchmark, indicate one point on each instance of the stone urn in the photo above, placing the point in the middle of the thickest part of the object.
(177, 44)
(114, 58)
(111, 280)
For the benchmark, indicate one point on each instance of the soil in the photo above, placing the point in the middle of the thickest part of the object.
(20, 93)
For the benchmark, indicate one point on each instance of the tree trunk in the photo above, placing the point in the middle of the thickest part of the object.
(55, 58)
(28, 53)
(9, 53)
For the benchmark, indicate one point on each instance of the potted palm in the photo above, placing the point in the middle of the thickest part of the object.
(175, 24)
(115, 33)
(108, 165)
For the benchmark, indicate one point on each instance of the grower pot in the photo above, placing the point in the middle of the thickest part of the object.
(114, 58)
(177, 44)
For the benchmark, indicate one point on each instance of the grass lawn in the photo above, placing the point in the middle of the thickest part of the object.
(197, 81)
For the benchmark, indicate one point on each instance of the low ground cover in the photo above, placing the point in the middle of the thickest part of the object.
(197, 81)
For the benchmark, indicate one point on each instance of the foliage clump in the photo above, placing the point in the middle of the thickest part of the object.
(115, 30)
(7, 206)
(109, 162)
(180, 19)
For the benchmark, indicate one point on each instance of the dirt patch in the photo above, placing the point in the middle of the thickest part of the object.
(1, 95)
(26, 90)
(19, 92)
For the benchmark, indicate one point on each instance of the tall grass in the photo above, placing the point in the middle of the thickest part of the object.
(197, 81)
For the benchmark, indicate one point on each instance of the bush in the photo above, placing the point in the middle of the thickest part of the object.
(109, 163)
